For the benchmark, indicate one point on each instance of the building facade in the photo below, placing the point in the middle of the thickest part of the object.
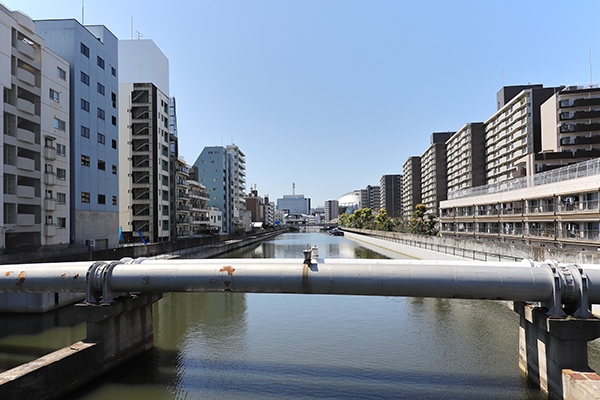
(391, 195)
(434, 184)
(411, 185)
(35, 144)
(554, 208)
(466, 157)
(294, 204)
(513, 134)
(238, 181)
(332, 210)
(570, 121)
(92, 54)
(144, 156)
(216, 170)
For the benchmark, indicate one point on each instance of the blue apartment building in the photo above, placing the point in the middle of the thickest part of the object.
(92, 52)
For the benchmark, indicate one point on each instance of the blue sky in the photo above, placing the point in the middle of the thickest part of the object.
(330, 95)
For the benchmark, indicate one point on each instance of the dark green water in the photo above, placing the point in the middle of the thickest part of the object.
(267, 346)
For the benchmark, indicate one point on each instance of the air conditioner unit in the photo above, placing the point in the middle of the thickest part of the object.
(91, 243)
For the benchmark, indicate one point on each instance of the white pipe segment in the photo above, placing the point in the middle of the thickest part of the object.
(417, 278)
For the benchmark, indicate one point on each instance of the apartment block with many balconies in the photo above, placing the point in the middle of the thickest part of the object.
(466, 157)
(513, 134)
(35, 119)
(570, 127)
(411, 185)
(434, 172)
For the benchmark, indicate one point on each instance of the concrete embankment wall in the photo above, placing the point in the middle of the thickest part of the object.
(426, 246)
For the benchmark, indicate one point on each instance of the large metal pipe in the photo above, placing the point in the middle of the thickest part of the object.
(440, 279)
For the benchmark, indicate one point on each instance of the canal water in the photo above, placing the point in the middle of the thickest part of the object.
(270, 346)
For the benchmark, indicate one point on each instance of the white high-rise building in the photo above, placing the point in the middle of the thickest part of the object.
(144, 156)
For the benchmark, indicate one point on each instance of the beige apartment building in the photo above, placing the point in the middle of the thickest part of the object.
(35, 119)
(570, 127)
(553, 208)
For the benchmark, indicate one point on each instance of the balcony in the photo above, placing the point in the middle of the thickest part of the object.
(49, 178)
(25, 219)
(579, 234)
(540, 209)
(49, 204)
(26, 76)
(594, 126)
(589, 205)
(580, 102)
(580, 141)
(25, 163)
(49, 230)
(26, 49)
(26, 106)
(27, 192)
(25, 135)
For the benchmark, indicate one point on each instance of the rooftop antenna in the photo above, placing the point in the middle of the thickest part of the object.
(293, 188)
(82, 14)
(138, 35)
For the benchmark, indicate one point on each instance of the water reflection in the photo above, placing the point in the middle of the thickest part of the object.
(268, 346)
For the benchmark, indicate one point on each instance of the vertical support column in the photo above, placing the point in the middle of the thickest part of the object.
(547, 345)
(122, 329)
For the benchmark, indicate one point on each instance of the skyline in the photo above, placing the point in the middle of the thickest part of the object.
(330, 96)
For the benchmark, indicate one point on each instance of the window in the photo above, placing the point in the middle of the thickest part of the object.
(101, 199)
(114, 120)
(100, 88)
(54, 95)
(101, 113)
(85, 105)
(113, 99)
(60, 124)
(165, 165)
(165, 151)
(100, 62)
(165, 195)
(114, 200)
(165, 210)
(165, 180)
(85, 50)
(114, 169)
(101, 138)
(85, 131)
(85, 160)
(61, 222)
(61, 73)
(61, 198)
(166, 224)
(85, 78)
(114, 144)
(101, 165)
(113, 71)
(61, 174)
(85, 197)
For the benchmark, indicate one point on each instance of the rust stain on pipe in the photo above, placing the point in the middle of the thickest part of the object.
(227, 283)
(227, 269)
(64, 275)
(21, 279)
(75, 276)
(9, 273)
(213, 280)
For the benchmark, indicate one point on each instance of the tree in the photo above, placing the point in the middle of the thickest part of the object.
(422, 223)
(363, 218)
(383, 222)
(343, 220)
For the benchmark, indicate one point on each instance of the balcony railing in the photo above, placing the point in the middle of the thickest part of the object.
(589, 205)
(574, 171)
(540, 209)
(579, 234)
